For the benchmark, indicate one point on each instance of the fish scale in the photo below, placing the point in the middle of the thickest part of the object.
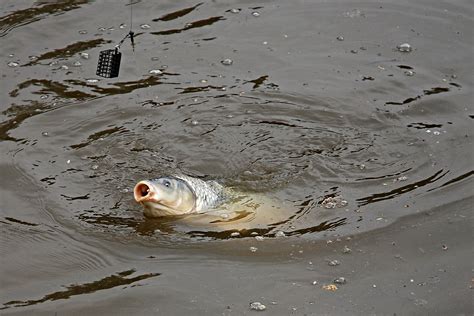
(208, 193)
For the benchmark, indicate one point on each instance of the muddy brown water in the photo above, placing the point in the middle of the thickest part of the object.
(317, 106)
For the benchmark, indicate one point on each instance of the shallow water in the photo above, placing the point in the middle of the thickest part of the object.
(317, 106)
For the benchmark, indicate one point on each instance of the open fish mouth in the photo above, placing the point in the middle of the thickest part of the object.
(142, 192)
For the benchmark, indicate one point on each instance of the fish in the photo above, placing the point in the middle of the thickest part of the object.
(195, 202)
(178, 195)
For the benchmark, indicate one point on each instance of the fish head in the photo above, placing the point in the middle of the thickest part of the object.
(165, 196)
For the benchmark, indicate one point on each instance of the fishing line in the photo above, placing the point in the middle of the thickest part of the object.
(108, 65)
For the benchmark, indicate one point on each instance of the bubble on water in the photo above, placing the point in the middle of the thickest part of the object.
(227, 61)
(203, 81)
(444, 247)
(77, 64)
(428, 131)
(234, 10)
(101, 29)
(126, 190)
(224, 216)
(33, 58)
(188, 25)
(340, 38)
(333, 263)
(84, 55)
(155, 72)
(45, 134)
(404, 48)
(257, 306)
(95, 167)
(333, 202)
(92, 80)
(13, 64)
(353, 14)
(64, 67)
(253, 249)
(265, 43)
(68, 161)
(436, 133)
(235, 234)
(82, 32)
(346, 250)
(340, 280)
(253, 234)
(256, 14)
(420, 302)
(155, 58)
(409, 73)
(280, 234)
(53, 63)
(11, 55)
(259, 238)
(44, 96)
(402, 178)
(354, 51)
(111, 28)
(194, 122)
(145, 26)
(314, 282)
(122, 25)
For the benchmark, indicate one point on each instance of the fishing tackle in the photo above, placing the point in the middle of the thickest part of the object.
(108, 65)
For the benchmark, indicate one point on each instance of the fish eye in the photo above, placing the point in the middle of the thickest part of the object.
(166, 183)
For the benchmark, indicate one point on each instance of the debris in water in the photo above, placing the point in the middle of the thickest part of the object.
(340, 280)
(227, 62)
(330, 287)
(13, 64)
(257, 306)
(404, 48)
(346, 250)
(280, 234)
